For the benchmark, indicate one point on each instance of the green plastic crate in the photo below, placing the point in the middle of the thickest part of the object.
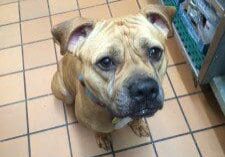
(191, 47)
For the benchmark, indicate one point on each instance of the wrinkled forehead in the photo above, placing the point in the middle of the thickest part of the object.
(116, 33)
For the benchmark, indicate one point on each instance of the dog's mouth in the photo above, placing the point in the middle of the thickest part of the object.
(146, 112)
(139, 112)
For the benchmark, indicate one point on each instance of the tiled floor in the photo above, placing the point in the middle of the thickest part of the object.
(34, 124)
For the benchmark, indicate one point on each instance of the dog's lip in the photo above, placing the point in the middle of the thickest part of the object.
(147, 112)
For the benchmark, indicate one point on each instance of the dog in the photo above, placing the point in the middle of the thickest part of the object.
(111, 70)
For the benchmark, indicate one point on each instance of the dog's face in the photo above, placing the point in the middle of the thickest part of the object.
(123, 60)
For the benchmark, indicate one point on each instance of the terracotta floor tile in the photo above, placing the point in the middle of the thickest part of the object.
(144, 3)
(182, 79)
(52, 143)
(19, 147)
(202, 111)
(34, 30)
(88, 3)
(13, 121)
(212, 142)
(144, 151)
(124, 7)
(56, 19)
(39, 53)
(181, 146)
(57, 6)
(99, 12)
(12, 88)
(125, 137)
(174, 52)
(38, 81)
(83, 141)
(33, 8)
(7, 1)
(167, 122)
(10, 35)
(9, 13)
(168, 91)
(45, 112)
(10, 60)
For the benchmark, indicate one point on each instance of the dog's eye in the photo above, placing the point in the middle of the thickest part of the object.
(154, 53)
(106, 64)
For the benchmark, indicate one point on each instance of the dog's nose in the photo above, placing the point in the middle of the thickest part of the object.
(144, 89)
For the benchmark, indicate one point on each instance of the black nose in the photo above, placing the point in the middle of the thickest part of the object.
(144, 88)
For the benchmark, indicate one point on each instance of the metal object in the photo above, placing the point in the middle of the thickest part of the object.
(218, 87)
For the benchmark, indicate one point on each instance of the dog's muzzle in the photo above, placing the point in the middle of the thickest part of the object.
(145, 97)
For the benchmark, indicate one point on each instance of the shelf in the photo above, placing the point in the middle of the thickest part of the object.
(185, 53)
(218, 87)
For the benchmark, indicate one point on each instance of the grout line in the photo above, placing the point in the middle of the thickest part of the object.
(11, 73)
(13, 46)
(40, 66)
(185, 118)
(208, 128)
(16, 102)
(64, 107)
(48, 129)
(78, 8)
(189, 94)
(168, 99)
(132, 147)
(102, 155)
(9, 47)
(110, 11)
(38, 131)
(112, 149)
(13, 138)
(52, 128)
(67, 129)
(139, 6)
(24, 79)
(50, 15)
(13, 103)
(151, 139)
(8, 3)
(120, 150)
(29, 69)
(37, 41)
(40, 96)
(11, 23)
(50, 19)
(171, 137)
(184, 95)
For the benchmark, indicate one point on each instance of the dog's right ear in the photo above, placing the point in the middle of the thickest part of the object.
(71, 33)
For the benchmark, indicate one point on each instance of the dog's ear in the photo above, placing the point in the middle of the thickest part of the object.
(72, 32)
(161, 17)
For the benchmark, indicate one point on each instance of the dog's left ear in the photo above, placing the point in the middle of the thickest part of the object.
(71, 33)
(161, 17)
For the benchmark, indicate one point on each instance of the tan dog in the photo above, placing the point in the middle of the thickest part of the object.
(112, 69)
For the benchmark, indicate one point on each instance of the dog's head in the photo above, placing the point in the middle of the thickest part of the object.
(123, 60)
